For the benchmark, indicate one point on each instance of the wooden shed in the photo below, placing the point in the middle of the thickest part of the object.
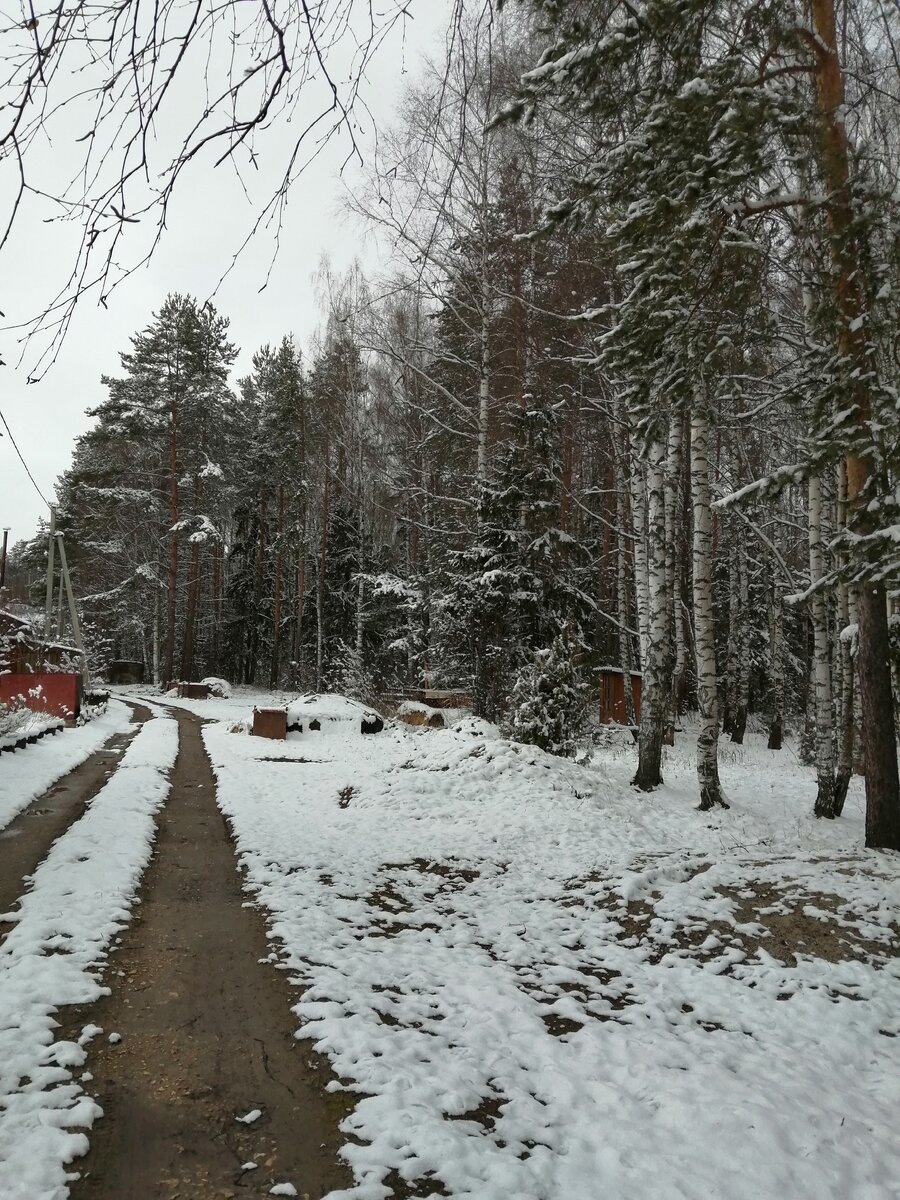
(124, 672)
(612, 696)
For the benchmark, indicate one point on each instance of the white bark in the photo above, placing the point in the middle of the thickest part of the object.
(776, 657)
(656, 685)
(845, 657)
(639, 530)
(625, 655)
(673, 561)
(704, 621)
(821, 666)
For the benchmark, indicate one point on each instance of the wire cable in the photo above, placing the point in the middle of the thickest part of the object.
(22, 460)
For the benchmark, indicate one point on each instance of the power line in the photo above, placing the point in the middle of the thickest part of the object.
(22, 460)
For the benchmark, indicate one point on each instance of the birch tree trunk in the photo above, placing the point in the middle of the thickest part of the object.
(677, 657)
(625, 656)
(275, 667)
(156, 639)
(847, 705)
(639, 530)
(776, 657)
(845, 657)
(656, 685)
(320, 582)
(704, 620)
(821, 668)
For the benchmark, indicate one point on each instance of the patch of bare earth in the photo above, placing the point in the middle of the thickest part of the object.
(786, 921)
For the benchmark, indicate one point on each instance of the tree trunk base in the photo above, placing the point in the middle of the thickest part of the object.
(712, 800)
(646, 783)
(824, 806)
(841, 784)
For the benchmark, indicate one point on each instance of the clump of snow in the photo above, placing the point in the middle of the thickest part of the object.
(79, 897)
(220, 688)
(283, 1189)
(332, 711)
(248, 1118)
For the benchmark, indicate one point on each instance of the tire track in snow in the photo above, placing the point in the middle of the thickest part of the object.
(26, 841)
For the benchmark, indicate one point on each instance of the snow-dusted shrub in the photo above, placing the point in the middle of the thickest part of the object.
(351, 677)
(550, 702)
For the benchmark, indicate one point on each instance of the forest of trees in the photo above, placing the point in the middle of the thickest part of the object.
(625, 394)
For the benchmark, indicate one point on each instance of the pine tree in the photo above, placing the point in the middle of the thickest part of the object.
(551, 699)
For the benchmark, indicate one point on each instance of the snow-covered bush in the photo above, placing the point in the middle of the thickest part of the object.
(550, 702)
(352, 677)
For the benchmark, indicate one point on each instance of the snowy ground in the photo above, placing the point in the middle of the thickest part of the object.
(537, 983)
(28, 773)
(543, 985)
(54, 954)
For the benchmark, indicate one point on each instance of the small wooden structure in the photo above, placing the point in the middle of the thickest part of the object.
(438, 698)
(270, 723)
(193, 691)
(37, 674)
(124, 672)
(612, 696)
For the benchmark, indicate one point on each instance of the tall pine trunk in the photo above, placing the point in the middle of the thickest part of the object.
(873, 656)
(742, 666)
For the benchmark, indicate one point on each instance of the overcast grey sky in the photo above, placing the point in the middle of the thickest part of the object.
(209, 220)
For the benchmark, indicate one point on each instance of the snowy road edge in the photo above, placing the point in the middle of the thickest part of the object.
(81, 895)
(29, 773)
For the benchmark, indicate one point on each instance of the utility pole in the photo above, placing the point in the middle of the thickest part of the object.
(3, 556)
(73, 612)
(48, 602)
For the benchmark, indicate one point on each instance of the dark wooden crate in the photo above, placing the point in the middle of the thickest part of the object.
(193, 691)
(270, 723)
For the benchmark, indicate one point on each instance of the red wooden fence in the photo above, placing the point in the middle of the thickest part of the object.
(56, 693)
